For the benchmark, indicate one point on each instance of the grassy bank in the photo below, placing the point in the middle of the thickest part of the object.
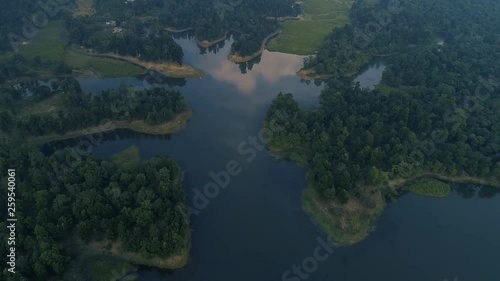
(128, 156)
(51, 45)
(139, 126)
(102, 67)
(105, 261)
(352, 222)
(114, 249)
(304, 37)
(170, 69)
(299, 155)
(206, 43)
(346, 223)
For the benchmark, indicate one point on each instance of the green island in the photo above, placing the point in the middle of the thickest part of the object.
(432, 118)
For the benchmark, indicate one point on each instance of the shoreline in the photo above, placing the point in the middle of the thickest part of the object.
(169, 69)
(231, 56)
(201, 43)
(206, 43)
(239, 59)
(350, 223)
(139, 126)
(173, 262)
(310, 74)
(171, 29)
(359, 216)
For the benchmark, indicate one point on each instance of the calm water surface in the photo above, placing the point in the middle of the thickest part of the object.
(371, 75)
(255, 229)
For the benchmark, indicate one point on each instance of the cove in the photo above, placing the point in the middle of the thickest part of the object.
(371, 74)
(256, 229)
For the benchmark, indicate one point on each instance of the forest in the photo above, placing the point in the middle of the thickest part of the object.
(386, 27)
(81, 110)
(435, 112)
(141, 206)
(75, 197)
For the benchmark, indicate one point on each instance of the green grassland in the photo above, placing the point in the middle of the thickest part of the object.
(128, 156)
(345, 224)
(51, 45)
(105, 68)
(430, 187)
(304, 37)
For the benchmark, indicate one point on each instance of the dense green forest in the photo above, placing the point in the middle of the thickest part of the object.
(140, 205)
(78, 110)
(385, 27)
(209, 19)
(436, 111)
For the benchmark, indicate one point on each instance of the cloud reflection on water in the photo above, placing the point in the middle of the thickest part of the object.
(271, 67)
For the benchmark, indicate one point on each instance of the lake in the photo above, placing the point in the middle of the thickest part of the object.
(371, 74)
(255, 229)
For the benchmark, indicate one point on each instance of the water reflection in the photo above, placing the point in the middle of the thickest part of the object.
(473, 191)
(270, 67)
(371, 75)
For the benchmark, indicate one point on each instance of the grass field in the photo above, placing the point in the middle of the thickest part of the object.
(103, 67)
(303, 37)
(128, 156)
(50, 44)
(430, 187)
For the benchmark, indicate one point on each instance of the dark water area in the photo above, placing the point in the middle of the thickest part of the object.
(255, 229)
(371, 74)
